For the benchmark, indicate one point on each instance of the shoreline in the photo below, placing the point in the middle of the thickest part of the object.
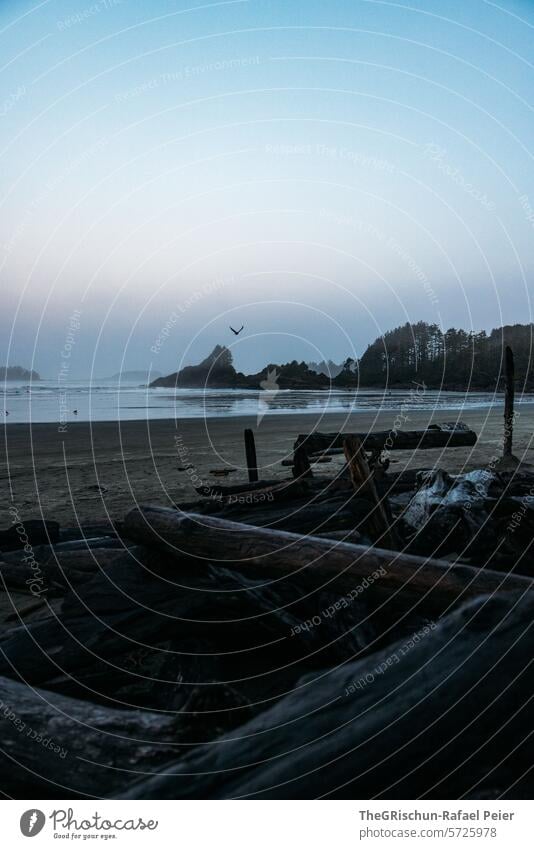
(96, 469)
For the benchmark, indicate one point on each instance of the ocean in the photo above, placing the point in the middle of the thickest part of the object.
(46, 401)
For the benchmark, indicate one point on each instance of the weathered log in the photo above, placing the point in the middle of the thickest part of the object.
(408, 579)
(53, 745)
(104, 528)
(88, 543)
(343, 536)
(220, 489)
(281, 491)
(25, 610)
(362, 480)
(57, 566)
(433, 437)
(164, 636)
(444, 715)
(303, 517)
(315, 458)
(250, 452)
(29, 532)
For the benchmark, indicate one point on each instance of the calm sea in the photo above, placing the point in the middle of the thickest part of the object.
(45, 401)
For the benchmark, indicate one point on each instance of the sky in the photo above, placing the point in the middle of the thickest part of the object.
(319, 172)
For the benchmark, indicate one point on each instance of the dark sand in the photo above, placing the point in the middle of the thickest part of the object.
(56, 475)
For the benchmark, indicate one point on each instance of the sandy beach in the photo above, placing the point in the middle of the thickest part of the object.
(89, 471)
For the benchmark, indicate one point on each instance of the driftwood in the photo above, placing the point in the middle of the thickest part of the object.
(30, 531)
(303, 516)
(281, 491)
(316, 561)
(49, 569)
(443, 715)
(379, 520)
(219, 489)
(166, 636)
(58, 746)
(433, 437)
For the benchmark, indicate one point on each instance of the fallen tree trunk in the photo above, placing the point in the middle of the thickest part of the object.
(432, 437)
(301, 517)
(29, 532)
(58, 746)
(445, 714)
(408, 578)
(160, 635)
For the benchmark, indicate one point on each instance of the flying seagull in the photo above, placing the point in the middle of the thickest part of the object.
(237, 332)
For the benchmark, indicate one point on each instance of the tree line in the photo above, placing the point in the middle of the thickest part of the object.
(452, 359)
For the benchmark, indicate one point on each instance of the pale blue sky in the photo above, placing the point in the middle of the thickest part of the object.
(189, 165)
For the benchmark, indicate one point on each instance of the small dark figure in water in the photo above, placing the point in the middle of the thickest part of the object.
(237, 332)
(75, 412)
(6, 412)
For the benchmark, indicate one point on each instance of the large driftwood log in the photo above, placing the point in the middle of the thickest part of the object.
(29, 532)
(163, 635)
(51, 568)
(303, 517)
(435, 584)
(432, 437)
(282, 491)
(443, 715)
(58, 746)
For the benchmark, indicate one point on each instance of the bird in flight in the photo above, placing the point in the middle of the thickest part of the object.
(237, 332)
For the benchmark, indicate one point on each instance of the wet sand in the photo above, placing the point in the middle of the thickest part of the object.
(90, 471)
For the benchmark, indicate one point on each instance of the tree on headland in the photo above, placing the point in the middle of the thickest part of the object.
(17, 373)
(452, 359)
(420, 352)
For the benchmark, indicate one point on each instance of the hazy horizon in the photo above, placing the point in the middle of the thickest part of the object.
(320, 174)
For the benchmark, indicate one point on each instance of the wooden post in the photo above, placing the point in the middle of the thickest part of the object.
(301, 463)
(508, 401)
(250, 451)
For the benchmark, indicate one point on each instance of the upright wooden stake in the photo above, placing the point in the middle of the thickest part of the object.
(508, 401)
(301, 463)
(250, 451)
